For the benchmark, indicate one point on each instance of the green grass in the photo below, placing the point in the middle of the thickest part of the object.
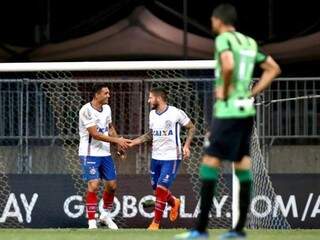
(141, 234)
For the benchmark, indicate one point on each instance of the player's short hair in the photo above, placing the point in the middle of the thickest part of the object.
(160, 91)
(226, 12)
(96, 88)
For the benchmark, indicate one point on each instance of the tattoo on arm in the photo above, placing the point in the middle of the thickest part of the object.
(112, 131)
(191, 132)
(145, 137)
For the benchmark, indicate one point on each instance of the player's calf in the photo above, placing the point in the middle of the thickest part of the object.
(91, 208)
(108, 198)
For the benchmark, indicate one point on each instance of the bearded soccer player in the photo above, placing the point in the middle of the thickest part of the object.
(236, 55)
(164, 131)
(96, 133)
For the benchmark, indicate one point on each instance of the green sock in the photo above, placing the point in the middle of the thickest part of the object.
(208, 173)
(209, 177)
(244, 175)
(245, 179)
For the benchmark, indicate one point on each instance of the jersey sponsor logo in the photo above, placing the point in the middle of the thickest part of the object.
(102, 130)
(88, 162)
(161, 133)
(246, 103)
(164, 132)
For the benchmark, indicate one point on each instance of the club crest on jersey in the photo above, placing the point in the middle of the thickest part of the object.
(92, 171)
(167, 131)
(168, 124)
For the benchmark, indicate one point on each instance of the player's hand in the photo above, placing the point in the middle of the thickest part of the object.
(133, 143)
(123, 143)
(186, 152)
(222, 94)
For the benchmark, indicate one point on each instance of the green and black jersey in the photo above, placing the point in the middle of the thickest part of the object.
(245, 54)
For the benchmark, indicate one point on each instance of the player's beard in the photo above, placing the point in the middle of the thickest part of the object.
(154, 106)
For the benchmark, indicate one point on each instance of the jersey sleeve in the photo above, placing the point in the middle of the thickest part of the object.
(222, 44)
(261, 57)
(87, 118)
(109, 115)
(183, 119)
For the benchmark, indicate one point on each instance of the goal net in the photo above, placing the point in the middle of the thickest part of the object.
(65, 89)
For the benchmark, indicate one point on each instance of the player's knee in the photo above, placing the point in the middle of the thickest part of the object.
(244, 163)
(243, 169)
(111, 187)
(93, 186)
(211, 161)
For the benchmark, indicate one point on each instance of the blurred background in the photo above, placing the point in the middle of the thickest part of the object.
(46, 30)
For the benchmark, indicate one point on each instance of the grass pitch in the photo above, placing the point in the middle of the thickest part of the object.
(141, 234)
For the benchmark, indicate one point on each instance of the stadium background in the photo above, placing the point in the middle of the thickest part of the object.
(44, 31)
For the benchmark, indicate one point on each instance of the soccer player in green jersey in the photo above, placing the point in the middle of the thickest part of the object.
(236, 55)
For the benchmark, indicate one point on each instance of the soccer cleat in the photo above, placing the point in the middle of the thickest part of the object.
(233, 234)
(92, 223)
(107, 220)
(154, 226)
(192, 234)
(174, 212)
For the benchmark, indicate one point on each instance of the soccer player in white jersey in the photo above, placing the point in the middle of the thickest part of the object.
(164, 131)
(96, 133)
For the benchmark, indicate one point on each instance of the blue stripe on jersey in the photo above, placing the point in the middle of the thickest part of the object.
(89, 145)
(177, 140)
(176, 134)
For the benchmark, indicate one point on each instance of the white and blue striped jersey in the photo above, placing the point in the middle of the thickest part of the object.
(88, 117)
(166, 143)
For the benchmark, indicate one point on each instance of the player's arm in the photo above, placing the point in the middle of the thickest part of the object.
(191, 130)
(223, 49)
(270, 70)
(227, 66)
(121, 153)
(112, 131)
(147, 137)
(122, 142)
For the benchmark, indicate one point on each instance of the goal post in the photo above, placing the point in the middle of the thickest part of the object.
(65, 86)
(107, 66)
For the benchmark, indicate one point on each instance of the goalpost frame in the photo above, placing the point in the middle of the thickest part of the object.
(107, 66)
(126, 66)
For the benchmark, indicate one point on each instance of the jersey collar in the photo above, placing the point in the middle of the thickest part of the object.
(99, 110)
(163, 111)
